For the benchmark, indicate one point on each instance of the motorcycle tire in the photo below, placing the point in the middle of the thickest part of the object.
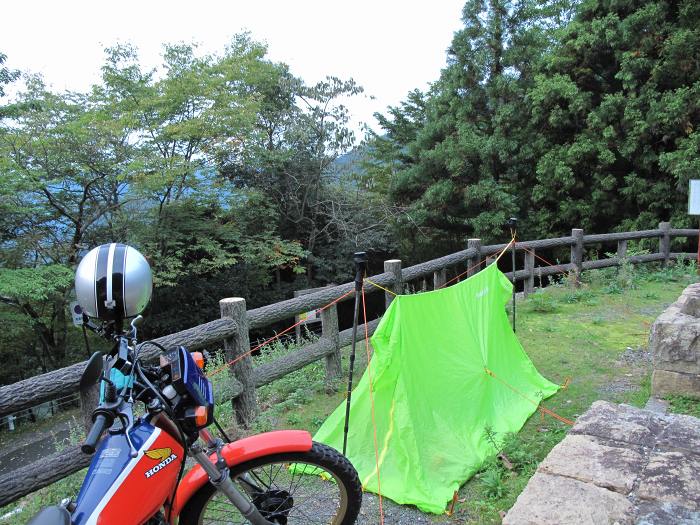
(319, 486)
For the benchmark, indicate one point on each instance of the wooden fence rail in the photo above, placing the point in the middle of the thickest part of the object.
(231, 331)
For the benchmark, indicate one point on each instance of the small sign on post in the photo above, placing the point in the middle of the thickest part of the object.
(694, 207)
(694, 197)
(77, 314)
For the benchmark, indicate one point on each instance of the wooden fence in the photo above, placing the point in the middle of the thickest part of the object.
(232, 329)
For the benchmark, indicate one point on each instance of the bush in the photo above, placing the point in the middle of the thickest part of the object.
(542, 302)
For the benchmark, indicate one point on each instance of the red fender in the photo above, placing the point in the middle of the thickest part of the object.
(240, 451)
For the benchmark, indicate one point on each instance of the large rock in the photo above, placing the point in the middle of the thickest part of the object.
(675, 345)
(619, 464)
(621, 423)
(588, 459)
(672, 477)
(665, 382)
(681, 435)
(568, 502)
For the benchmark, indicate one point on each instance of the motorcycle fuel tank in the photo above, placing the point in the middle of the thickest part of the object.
(119, 489)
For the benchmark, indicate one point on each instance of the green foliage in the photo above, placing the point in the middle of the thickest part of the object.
(542, 302)
(684, 405)
(615, 108)
(564, 115)
(492, 481)
(35, 284)
(216, 167)
(456, 158)
(578, 296)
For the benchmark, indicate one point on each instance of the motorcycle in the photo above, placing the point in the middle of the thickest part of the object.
(137, 472)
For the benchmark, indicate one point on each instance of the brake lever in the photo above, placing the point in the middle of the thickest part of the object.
(127, 419)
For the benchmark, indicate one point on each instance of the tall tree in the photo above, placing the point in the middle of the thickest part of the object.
(615, 117)
(63, 159)
(458, 166)
(300, 132)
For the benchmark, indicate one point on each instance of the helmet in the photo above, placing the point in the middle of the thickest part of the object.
(112, 282)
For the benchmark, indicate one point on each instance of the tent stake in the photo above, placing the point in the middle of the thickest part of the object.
(360, 259)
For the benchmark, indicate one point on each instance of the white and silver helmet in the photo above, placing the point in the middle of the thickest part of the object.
(113, 282)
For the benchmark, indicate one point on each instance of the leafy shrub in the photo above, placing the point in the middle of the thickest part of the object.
(542, 302)
(578, 296)
(492, 481)
(684, 405)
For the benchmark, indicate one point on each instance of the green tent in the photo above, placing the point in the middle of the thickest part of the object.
(434, 398)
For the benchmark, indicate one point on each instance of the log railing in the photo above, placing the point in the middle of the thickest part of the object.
(231, 332)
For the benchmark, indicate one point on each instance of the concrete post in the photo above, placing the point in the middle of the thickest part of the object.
(622, 249)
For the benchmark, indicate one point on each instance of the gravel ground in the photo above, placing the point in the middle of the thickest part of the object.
(395, 514)
(638, 361)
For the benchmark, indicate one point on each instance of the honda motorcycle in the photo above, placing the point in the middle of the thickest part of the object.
(137, 474)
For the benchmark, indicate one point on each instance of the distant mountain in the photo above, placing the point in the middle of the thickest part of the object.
(348, 166)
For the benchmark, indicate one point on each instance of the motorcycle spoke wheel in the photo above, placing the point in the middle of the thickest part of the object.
(317, 487)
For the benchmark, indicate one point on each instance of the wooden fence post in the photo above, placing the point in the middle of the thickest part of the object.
(89, 399)
(245, 405)
(473, 262)
(621, 249)
(665, 241)
(393, 266)
(439, 278)
(529, 285)
(577, 253)
(330, 332)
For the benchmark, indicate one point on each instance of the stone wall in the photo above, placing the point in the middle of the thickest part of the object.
(675, 346)
(619, 465)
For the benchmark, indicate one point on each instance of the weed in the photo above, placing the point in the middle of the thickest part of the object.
(613, 288)
(577, 296)
(76, 434)
(492, 481)
(684, 405)
(542, 302)
(491, 437)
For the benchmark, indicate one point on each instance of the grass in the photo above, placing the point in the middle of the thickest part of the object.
(595, 334)
(684, 405)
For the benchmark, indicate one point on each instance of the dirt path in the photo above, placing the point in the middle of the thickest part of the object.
(31, 446)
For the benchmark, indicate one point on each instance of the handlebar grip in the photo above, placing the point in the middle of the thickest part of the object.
(94, 435)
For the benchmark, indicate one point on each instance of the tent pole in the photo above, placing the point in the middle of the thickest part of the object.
(513, 224)
(360, 259)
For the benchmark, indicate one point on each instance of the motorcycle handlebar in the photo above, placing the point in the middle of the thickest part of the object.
(93, 436)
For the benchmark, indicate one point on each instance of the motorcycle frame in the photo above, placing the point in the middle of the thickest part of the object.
(212, 468)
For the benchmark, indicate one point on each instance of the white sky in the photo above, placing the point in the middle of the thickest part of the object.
(388, 46)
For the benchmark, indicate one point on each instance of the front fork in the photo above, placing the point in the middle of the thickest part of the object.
(219, 476)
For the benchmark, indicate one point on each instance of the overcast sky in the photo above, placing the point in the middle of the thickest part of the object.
(388, 46)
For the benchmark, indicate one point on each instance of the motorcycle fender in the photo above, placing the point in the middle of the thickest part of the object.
(239, 452)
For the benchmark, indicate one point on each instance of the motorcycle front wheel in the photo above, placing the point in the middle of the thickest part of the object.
(319, 486)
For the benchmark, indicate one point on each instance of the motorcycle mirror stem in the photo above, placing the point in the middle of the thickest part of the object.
(135, 323)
